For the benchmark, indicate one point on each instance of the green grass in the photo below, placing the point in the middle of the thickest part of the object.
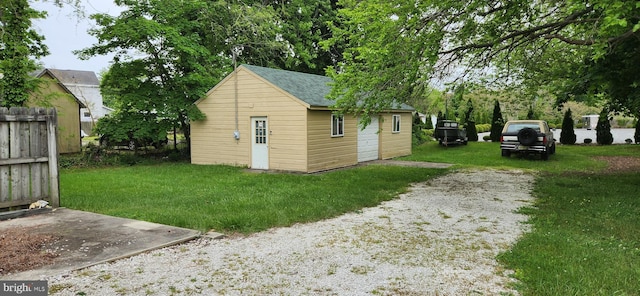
(585, 235)
(486, 154)
(228, 199)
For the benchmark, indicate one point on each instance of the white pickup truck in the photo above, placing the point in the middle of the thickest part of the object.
(526, 136)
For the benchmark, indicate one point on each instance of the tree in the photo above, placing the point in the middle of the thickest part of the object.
(169, 54)
(530, 113)
(304, 25)
(382, 61)
(439, 117)
(396, 47)
(19, 46)
(469, 122)
(603, 129)
(567, 135)
(133, 129)
(419, 136)
(497, 123)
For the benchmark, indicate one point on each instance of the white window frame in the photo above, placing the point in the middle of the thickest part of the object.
(337, 125)
(395, 123)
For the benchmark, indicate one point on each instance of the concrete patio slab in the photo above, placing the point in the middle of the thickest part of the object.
(86, 239)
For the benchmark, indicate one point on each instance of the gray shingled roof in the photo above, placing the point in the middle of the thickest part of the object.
(310, 88)
(75, 77)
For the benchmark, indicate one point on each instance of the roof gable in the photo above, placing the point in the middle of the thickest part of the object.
(47, 72)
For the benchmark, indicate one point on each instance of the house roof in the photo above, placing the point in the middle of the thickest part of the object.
(53, 74)
(310, 88)
(75, 76)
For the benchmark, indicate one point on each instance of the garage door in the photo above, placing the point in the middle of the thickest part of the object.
(368, 141)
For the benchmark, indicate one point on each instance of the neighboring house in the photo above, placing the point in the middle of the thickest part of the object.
(86, 87)
(52, 93)
(273, 119)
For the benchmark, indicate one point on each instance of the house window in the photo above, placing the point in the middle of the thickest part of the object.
(87, 114)
(261, 132)
(396, 123)
(337, 125)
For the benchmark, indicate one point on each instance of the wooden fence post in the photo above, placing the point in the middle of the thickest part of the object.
(54, 183)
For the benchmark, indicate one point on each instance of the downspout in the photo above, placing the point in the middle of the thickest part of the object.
(236, 133)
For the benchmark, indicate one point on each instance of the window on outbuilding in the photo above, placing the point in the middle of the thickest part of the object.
(396, 123)
(337, 125)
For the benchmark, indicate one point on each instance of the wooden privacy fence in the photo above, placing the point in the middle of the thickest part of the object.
(28, 157)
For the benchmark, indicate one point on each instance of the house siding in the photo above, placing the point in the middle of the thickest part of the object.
(395, 144)
(299, 128)
(327, 152)
(212, 138)
(51, 94)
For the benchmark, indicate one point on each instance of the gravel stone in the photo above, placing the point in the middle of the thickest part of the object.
(439, 238)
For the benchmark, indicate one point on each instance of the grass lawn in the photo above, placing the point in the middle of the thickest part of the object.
(228, 199)
(585, 237)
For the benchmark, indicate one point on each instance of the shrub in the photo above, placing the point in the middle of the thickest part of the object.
(429, 133)
(418, 133)
(603, 129)
(123, 128)
(472, 133)
(567, 135)
(622, 122)
(497, 123)
(483, 128)
(587, 141)
(486, 138)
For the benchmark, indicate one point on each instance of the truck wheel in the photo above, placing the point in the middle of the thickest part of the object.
(506, 153)
(544, 155)
(527, 136)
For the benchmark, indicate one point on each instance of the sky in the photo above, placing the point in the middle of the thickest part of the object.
(65, 32)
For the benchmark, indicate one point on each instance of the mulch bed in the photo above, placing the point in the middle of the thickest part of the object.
(24, 249)
(617, 164)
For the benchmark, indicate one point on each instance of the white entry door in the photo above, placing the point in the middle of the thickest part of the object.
(368, 141)
(259, 143)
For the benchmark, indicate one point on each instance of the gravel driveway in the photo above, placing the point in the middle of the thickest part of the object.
(439, 238)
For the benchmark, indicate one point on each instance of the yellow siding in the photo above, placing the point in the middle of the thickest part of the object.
(326, 152)
(51, 94)
(212, 138)
(299, 139)
(395, 144)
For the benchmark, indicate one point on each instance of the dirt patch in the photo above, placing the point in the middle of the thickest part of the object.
(24, 249)
(617, 164)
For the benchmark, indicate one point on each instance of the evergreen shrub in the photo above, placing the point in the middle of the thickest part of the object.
(603, 129)
(567, 135)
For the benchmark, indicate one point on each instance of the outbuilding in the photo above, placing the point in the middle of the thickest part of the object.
(53, 93)
(272, 119)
